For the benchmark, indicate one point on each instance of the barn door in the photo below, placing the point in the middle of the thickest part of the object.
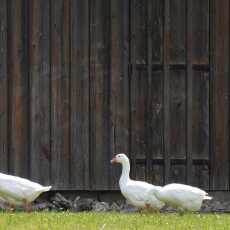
(179, 91)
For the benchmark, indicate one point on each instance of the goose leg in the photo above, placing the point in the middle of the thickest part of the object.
(181, 212)
(27, 205)
(10, 207)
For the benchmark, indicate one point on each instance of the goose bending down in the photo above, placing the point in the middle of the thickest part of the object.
(19, 191)
(136, 192)
(180, 196)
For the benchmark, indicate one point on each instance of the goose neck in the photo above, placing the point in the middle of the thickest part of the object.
(125, 172)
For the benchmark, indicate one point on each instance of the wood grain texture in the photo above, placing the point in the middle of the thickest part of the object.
(156, 24)
(166, 92)
(200, 30)
(177, 25)
(100, 78)
(60, 49)
(220, 95)
(189, 95)
(40, 90)
(119, 104)
(3, 88)
(81, 80)
(156, 116)
(18, 89)
(200, 116)
(177, 100)
(80, 160)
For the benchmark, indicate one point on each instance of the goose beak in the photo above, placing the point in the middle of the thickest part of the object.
(113, 161)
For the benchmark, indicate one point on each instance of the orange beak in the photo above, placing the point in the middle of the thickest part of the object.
(113, 161)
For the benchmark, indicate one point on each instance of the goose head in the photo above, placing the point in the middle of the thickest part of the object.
(120, 158)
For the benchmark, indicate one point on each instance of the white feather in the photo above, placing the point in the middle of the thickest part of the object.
(182, 197)
(136, 192)
(16, 190)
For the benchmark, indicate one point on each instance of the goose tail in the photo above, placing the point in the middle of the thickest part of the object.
(44, 189)
(207, 198)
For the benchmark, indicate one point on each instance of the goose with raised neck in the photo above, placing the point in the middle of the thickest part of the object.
(135, 192)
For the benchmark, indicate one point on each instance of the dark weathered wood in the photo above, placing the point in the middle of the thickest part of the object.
(119, 82)
(139, 32)
(149, 96)
(139, 115)
(140, 86)
(189, 95)
(80, 160)
(199, 28)
(155, 90)
(18, 87)
(198, 92)
(158, 174)
(220, 95)
(60, 49)
(177, 92)
(177, 174)
(157, 31)
(3, 88)
(200, 115)
(166, 92)
(200, 176)
(156, 116)
(81, 80)
(177, 47)
(40, 93)
(141, 172)
(177, 95)
(100, 84)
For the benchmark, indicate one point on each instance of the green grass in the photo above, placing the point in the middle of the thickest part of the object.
(112, 221)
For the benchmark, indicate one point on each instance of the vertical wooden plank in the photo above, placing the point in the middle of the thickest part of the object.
(3, 88)
(158, 174)
(100, 123)
(166, 92)
(200, 30)
(149, 96)
(156, 110)
(139, 31)
(79, 85)
(197, 91)
(139, 86)
(141, 172)
(177, 95)
(200, 115)
(60, 93)
(119, 82)
(177, 31)
(177, 109)
(189, 87)
(39, 56)
(18, 94)
(220, 95)
(200, 177)
(157, 31)
(156, 121)
(139, 115)
(177, 173)
(200, 129)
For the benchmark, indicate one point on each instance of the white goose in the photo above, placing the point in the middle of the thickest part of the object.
(19, 191)
(180, 196)
(136, 192)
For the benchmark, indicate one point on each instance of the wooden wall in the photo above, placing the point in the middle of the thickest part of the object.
(83, 79)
